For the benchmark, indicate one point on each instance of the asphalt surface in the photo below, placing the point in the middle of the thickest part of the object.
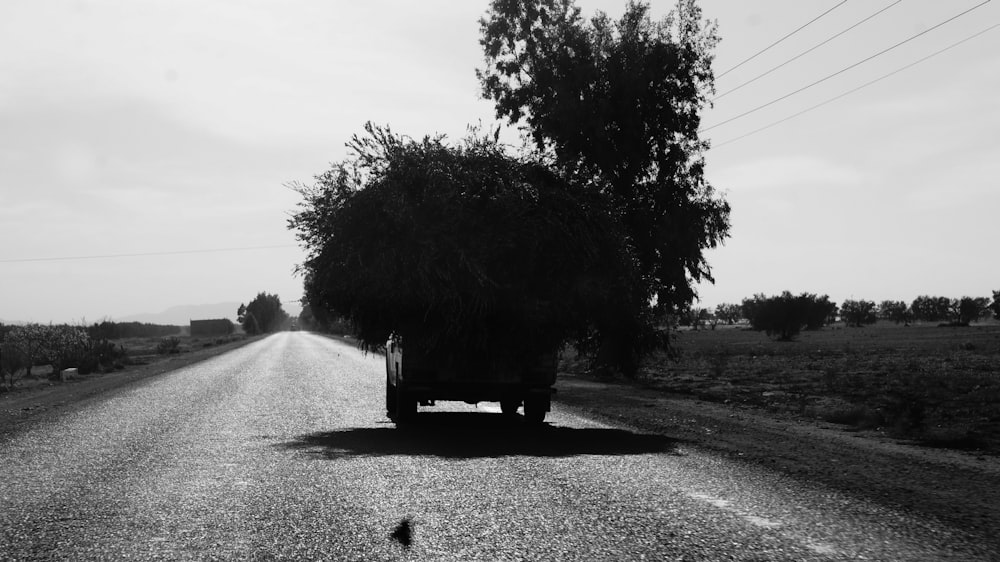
(281, 450)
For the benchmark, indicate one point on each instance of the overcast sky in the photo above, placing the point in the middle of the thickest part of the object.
(170, 128)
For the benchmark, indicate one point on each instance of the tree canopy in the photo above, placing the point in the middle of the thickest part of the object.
(262, 315)
(785, 315)
(616, 107)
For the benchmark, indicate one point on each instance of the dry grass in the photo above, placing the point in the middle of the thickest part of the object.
(933, 385)
(139, 351)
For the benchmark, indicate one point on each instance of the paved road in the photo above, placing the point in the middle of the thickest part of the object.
(280, 449)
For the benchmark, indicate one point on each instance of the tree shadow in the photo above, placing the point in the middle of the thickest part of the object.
(455, 435)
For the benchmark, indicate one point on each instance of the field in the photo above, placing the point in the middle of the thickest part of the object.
(137, 352)
(932, 385)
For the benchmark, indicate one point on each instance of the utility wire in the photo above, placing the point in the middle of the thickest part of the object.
(765, 49)
(803, 53)
(176, 252)
(865, 85)
(843, 70)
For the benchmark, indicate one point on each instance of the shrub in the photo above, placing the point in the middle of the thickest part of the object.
(168, 345)
(786, 315)
(13, 364)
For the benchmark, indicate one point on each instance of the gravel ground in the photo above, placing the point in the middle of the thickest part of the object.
(280, 450)
(955, 488)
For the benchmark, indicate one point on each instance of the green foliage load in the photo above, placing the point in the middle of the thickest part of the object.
(784, 316)
(464, 250)
(995, 305)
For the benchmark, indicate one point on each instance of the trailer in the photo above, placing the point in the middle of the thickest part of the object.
(415, 379)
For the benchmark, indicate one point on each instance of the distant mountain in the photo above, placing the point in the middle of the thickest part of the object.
(184, 314)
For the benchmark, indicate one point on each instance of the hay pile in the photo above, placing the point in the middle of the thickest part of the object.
(464, 249)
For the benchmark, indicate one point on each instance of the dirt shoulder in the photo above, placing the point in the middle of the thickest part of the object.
(956, 488)
(22, 405)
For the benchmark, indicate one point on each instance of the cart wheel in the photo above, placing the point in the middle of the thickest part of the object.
(535, 408)
(406, 407)
(390, 399)
(509, 406)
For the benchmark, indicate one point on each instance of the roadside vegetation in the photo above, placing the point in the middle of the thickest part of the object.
(924, 372)
(936, 386)
(40, 355)
(785, 316)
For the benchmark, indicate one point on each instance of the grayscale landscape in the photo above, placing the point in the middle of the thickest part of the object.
(541, 280)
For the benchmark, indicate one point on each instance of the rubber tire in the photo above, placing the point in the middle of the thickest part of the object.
(535, 408)
(406, 407)
(509, 406)
(390, 400)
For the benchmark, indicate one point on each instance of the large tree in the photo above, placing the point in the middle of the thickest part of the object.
(616, 106)
(263, 314)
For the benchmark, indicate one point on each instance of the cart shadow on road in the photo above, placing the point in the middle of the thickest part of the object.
(477, 435)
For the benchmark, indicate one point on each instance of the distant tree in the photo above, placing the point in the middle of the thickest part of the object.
(750, 307)
(108, 330)
(931, 309)
(67, 346)
(968, 309)
(786, 315)
(12, 360)
(858, 312)
(819, 310)
(782, 316)
(730, 313)
(307, 321)
(894, 311)
(30, 342)
(696, 317)
(995, 305)
(615, 106)
(262, 315)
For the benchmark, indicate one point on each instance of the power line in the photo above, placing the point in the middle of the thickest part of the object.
(171, 253)
(765, 49)
(865, 85)
(803, 53)
(843, 70)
